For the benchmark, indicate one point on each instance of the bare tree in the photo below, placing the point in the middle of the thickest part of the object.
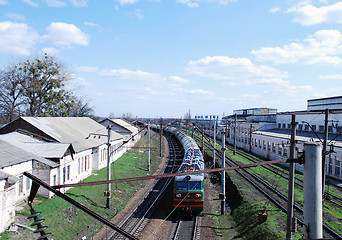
(11, 97)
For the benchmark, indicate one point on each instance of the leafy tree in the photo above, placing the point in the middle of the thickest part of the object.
(43, 85)
(36, 88)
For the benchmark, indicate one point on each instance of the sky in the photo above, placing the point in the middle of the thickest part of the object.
(164, 58)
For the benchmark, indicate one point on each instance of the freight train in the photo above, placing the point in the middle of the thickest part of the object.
(188, 194)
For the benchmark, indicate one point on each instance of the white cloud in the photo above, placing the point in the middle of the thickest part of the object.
(196, 3)
(15, 16)
(189, 3)
(324, 46)
(17, 38)
(129, 74)
(55, 3)
(307, 14)
(79, 3)
(179, 80)
(86, 69)
(136, 13)
(200, 92)
(31, 3)
(3, 2)
(274, 10)
(64, 34)
(91, 24)
(50, 51)
(123, 2)
(331, 77)
(236, 69)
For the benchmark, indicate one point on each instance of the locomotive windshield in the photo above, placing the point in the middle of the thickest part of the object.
(182, 186)
(195, 185)
(192, 186)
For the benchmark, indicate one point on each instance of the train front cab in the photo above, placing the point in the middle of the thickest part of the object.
(188, 196)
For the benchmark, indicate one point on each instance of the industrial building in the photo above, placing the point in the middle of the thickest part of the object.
(266, 132)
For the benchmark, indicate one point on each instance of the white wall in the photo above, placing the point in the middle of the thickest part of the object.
(7, 205)
(24, 186)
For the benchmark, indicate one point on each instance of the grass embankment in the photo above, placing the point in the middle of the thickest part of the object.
(332, 214)
(64, 219)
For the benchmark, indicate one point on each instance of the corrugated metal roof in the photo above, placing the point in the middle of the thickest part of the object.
(11, 155)
(75, 130)
(124, 124)
(44, 149)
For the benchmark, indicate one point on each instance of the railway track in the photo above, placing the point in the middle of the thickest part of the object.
(336, 200)
(187, 229)
(138, 218)
(276, 197)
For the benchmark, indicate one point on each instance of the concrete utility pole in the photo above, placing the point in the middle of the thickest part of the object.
(223, 174)
(109, 128)
(214, 149)
(250, 137)
(209, 129)
(149, 148)
(203, 137)
(235, 126)
(313, 207)
(160, 136)
(325, 144)
(193, 129)
(290, 196)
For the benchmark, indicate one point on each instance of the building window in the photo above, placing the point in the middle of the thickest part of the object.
(273, 147)
(264, 144)
(256, 142)
(28, 183)
(279, 125)
(259, 144)
(330, 167)
(268, 146)
(284, 125)
(300, 127)
(54, 180)
(285, 152)
(306, 127)
(289, 125)
(79, 166)
(280, 150)
(321, 128)
(313, 127)
(337, 168)
(68, 172)
(64, 175)
(21, 179)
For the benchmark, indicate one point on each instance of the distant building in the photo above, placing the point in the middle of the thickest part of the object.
(268, 134)
(129, 132)
(320, 104)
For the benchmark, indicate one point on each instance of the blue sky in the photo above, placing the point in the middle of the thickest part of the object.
(162, 58)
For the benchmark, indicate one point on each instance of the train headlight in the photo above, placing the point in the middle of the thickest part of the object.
(178, 195)
(198, 195)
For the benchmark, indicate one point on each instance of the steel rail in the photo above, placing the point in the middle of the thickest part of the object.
(279, 172)
(325, 227)
(169, 175)
(134, 223)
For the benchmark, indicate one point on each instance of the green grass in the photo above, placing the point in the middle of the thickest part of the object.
(64, 219)
(243, 222)
(281, 185)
